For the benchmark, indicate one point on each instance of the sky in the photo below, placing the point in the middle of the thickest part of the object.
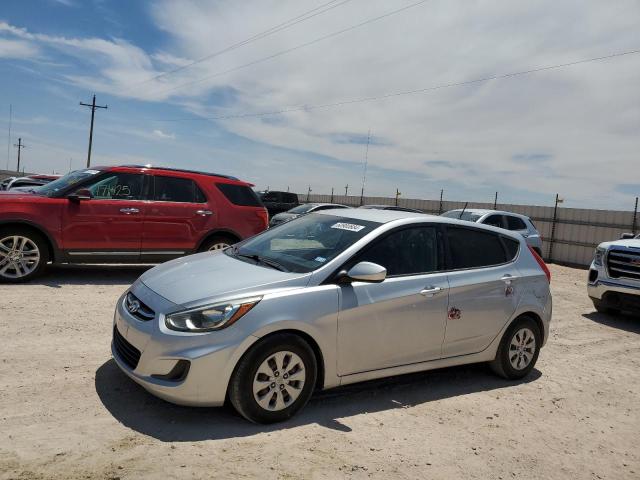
(284, 93)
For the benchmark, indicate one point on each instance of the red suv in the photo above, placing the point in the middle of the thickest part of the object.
(126, 214)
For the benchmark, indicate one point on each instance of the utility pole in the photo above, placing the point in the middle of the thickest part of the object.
(9, 135)
(364, 173)
(346, 189)
(397, 195)
(19, 146)
(495, 201)
(635, 216)
(440, 207)
(553, 227)
(93, 107)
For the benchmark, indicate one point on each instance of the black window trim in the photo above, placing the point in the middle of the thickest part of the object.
(353, 259)
(447, 250)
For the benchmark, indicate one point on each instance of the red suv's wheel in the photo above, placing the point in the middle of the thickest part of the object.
(217, 242)
(23, 255)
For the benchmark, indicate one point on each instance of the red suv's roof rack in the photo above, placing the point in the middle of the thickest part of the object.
(171, 169)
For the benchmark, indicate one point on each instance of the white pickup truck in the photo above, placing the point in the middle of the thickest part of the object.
(614, 276)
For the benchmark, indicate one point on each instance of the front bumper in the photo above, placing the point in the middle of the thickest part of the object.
(211, 356)
(613, 293)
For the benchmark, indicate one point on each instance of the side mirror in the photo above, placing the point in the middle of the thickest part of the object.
(365, 272)
(80, 194)
(627, 236)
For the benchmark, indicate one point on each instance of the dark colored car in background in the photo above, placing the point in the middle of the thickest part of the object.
(392, 207)
(278, 202)
(125, 214)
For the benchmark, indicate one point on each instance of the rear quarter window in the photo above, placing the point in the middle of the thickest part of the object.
(511, 246)
(515, 223)
(239, 195)
(471, 248)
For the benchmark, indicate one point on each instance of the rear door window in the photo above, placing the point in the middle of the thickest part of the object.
(515, 223)
(494, 221)
(240, 195)
(174, 189)
(409, 251)
(472, 248)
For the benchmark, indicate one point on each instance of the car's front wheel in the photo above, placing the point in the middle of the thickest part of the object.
(274, 379)
(23, 255)
(518, 350)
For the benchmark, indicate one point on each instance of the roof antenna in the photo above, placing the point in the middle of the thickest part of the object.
(462, 212)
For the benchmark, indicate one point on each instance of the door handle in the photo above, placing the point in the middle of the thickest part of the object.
(204, 213)
(431, 291)
(129, 211)
(508, 278)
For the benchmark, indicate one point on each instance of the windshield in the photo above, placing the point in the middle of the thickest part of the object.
(301, 209)
(469, 216)
(64, 182)
(306, 243)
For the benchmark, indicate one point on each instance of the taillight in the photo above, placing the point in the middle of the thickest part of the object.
(263, 214)
(540, 261)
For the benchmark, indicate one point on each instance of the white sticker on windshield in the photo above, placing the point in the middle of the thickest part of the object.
(352, 227)
(320, 259)
(91, 172)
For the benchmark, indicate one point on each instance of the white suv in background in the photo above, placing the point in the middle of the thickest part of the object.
(507, 220)
(614, 276)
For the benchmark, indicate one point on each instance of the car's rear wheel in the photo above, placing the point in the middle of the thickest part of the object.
(274, 379)
(518, 350)
(23, 255)
(217, 242)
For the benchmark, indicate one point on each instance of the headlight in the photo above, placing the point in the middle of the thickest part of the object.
(210, 317)
(599, 256)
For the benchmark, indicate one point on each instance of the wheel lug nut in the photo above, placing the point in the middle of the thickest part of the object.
(281, 387)
(273, 385)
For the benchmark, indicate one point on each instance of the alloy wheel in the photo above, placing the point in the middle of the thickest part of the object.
(217, 246)
(279, 381)
(19, 256)
(522, 348)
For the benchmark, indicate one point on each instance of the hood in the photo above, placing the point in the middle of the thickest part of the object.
(283, 217)
(629, 243)
(214, 276)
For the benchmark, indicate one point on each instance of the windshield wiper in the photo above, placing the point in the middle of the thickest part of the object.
(258, 259)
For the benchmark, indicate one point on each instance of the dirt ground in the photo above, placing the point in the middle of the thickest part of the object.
(67, 412)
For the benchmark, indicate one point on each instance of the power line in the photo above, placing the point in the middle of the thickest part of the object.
(292, 49)
(266, 33)
(402, 93)
(93, 107)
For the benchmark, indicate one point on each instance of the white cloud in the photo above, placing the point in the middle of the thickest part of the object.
(17, 49)
(163, 135)
(579, 119)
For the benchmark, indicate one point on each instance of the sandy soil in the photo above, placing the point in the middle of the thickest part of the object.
(67, 412)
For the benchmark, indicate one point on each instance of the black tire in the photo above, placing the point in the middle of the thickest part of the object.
(43, 252)
(600, 308)
(241, 386)
(217, 242)
(501, 365)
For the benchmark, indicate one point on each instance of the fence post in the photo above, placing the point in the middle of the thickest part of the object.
(553, 229)
(397, 195)
(440, 207)
(308, 193)
(331, 195)
(635, 217)
(495, 202)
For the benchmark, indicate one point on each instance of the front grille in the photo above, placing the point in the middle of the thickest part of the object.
(624, 263)
(127, 352)
(138, 309)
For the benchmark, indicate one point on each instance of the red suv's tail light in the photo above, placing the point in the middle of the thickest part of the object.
(540, 261)
(264, 216)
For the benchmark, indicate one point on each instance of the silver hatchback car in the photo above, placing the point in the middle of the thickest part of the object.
(329, 299)
(507, 220)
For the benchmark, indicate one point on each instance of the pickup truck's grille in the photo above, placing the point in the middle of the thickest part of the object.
(127, 352)
(624, 263)
(138, 309)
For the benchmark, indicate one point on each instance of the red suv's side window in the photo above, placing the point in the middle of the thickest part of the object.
(173, 189)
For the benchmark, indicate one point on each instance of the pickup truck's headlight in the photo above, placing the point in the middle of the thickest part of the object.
(598, 258)
(210, 317)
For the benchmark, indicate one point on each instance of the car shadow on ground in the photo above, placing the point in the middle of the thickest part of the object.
(58, 275)
(131, 405)
(622, 321)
